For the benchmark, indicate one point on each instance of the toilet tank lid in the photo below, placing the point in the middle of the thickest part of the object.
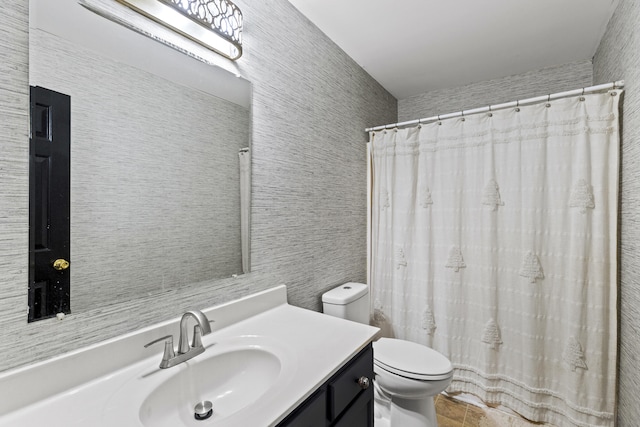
(344, 294)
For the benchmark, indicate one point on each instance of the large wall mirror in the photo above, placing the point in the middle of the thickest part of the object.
(157, 143)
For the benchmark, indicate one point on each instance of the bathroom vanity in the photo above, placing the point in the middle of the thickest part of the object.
(266, 363)
(345, 400)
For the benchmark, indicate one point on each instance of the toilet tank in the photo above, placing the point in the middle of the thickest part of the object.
(349, 301)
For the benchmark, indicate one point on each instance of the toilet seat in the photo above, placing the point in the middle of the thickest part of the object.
(411, 360)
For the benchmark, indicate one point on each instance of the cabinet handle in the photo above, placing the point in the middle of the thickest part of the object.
(364, 382)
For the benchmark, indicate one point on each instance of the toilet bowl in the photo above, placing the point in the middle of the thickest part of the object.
(407, 375)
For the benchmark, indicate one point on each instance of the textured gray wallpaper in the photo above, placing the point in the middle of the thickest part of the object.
(618, 57)
(155, 179)
(14, 173)
(520, 86)
(311, 103)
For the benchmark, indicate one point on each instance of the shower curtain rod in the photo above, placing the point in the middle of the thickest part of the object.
(591, 89)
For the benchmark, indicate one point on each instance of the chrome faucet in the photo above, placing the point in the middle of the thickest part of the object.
(185, 351)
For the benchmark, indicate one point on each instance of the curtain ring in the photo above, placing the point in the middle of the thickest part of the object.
(517, 106)
(582, 98)
(490, 114)
(548, 101)
(439, 121)
(462, 114)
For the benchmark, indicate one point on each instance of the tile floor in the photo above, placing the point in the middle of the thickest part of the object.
(454, 413)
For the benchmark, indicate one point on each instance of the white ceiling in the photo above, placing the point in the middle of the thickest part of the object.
(413, 46)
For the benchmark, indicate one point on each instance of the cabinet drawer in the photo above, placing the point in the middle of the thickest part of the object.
(344, 387)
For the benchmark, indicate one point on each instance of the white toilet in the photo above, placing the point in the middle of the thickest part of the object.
(407, 375)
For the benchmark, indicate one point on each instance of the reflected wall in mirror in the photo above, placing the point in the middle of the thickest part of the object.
(155, 142)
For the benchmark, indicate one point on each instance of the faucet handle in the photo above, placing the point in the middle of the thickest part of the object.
(197, 334)
(168, 338)
(197, 337)
(169, 353)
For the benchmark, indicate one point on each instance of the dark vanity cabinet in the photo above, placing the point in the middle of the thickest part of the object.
(345, 400)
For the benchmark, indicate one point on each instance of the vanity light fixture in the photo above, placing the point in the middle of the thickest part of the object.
(215, 24)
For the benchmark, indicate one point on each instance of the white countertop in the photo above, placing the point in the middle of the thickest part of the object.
(80, 388)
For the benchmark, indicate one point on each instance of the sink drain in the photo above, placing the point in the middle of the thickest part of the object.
(203, 410)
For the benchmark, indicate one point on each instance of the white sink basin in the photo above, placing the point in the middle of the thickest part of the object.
(230, 381)
(233, 375)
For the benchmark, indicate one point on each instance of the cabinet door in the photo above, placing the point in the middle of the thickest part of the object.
(360, 413)
(312, 413)
(341, 401)
(344, 387)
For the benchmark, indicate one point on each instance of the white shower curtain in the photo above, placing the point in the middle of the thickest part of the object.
(244, 157)
(493, 241)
